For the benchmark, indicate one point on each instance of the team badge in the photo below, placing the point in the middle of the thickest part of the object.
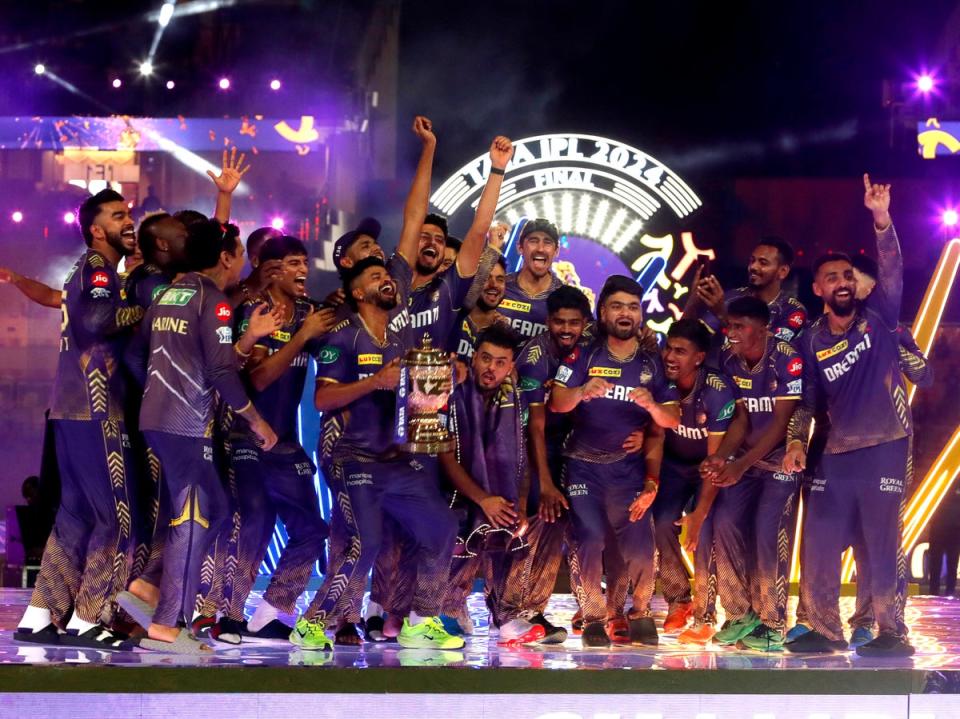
(225, 335)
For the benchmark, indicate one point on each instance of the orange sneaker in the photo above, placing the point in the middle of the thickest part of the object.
(697, 634)
(618, 630)
(677, 618)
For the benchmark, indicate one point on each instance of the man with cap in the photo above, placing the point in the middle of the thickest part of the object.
(525, 296)
(614, 387)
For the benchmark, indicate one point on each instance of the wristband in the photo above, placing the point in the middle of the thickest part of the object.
(655, 480)
(497, 171)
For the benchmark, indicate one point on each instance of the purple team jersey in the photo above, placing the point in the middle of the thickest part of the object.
(788, 316)
(777, 376)
(144, 284)
(708, 409)
(192, 359)
(601, 425)
(362, 430)
(94, 328)
(434, 306)
(526, 314)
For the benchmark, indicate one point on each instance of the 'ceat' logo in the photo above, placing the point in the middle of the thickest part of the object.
(795, 320)
(795, 366)
(224, 313)
(100, 279)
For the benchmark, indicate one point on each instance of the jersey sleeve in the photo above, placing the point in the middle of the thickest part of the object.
(793, 320)
(401, 273)
(534, 373)
(573, 370)
(789, 372)
(913, 363)
(720, 400)
(220, 359)
(887, 296)
(335, 361)
(99, 309)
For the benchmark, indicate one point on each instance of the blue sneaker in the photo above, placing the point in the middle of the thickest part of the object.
(797, 631)
(860, 636)
(451, 625)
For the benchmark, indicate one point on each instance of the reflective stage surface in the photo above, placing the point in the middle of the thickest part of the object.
(934, 622)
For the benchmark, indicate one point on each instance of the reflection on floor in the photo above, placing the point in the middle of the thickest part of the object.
(934, 622)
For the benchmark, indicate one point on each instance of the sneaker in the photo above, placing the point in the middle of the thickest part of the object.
(552, 634)
(228, 630)
(762, 639)
(677, 618)
(618, 630)
(274, 629)
(697, 634)
(518, 632)
(576, 624)
(595, 635)
(814, 642)
(886, 645)
(428, 634)
(734, 631)
(373, 629)
(201, 626)
(310, 635)
(643, 632)
(860, 636)
(797, 631)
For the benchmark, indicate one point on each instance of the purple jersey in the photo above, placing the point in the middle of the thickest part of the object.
(434, 306)
(463, 341)
(788, 316)
(94, 327)
(279, 402)
(602, 425)
(192, 359)
(708, 409)
(526, 314)
(362, 430)
(402, 273)
(144, 284)
(777, 376)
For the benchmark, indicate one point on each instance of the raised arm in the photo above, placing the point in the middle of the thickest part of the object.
(415, 209)
(501, 150)
(231, 170)
(876, 198)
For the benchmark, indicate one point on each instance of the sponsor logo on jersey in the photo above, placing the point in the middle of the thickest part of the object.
(795, 319)
(170, 324)
(795, 367)
(100, 279)
(223, 312)
(572, 357)
(758, 404)
(564, 374)
(743, 382)
(328, 355)
(528, 383)
(99, 293)
(604, 372)
(279, 335)
(690, 432)
(838, 369)
(527, 328)
(727, 411)
(158, 290)
(176, 297)
(225, 335)
(784, 333)
(835, 350)
(795, 387)
(514, 305)
(369, 359)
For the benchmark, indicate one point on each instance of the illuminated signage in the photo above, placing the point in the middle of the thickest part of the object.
(938, 139)
(598, 191)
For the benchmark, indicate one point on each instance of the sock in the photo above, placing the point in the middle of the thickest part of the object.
(372, 610)
(265, 614)
(79, 624)
(416, 619)
(35, 618)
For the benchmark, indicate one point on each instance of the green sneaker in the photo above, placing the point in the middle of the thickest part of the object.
(310, 635)
(428, 634)
(736, 630)
(762, 639)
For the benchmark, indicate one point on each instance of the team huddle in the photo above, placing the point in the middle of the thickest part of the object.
(579, 435)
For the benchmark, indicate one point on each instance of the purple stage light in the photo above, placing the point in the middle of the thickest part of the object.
(275, 85)
(277, 223)
(171, 84)
(69, 218)
(925, 83)
(950, 218)
(17, 216)
(224, 83)
(117, 82)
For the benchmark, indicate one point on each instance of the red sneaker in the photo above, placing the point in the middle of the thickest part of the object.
(618, 630)
(677, 618)
(697, 634)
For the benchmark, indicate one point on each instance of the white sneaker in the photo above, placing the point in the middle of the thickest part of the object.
(520, 631)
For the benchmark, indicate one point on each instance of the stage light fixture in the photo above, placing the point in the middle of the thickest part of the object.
(171, 84)
(146, 68)
(17, 216)
(117, 82)
(39, 68)
(925, 83)
(166, 12)
(275, 84)
(224, 83)
(950, 218)
(277, 223)
(69, 217)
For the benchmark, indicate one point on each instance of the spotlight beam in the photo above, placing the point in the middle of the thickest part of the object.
(76, 90)
(190, 159)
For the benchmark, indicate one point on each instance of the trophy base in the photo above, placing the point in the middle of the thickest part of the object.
(428, 447)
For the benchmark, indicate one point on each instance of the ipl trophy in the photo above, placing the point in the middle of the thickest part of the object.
(425, 384)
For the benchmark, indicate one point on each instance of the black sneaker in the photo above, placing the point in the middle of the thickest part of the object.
(594, 635)
(202, 625)
(373, 629)
(886, 645)
(814, 643)
(643, 632)
(228, 630)
(552, 633)
(274, 629)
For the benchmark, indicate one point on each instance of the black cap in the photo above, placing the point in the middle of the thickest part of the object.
(367, 226)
